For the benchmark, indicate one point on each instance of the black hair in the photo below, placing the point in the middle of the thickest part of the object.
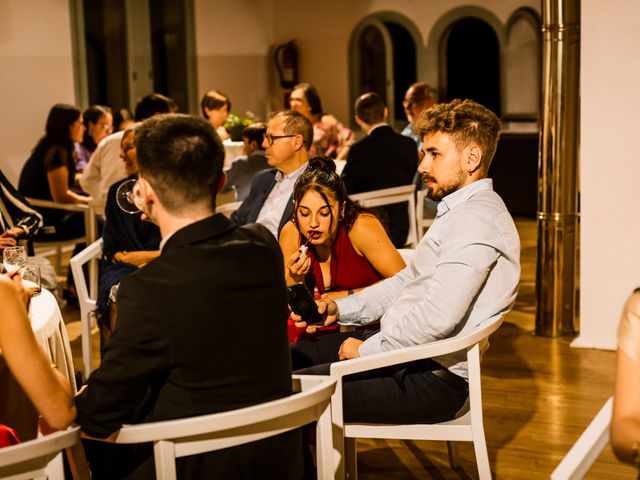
(214, 100)
(321, 177)
(312, 96)
(152, 104)
(182, 157)
(255, 132)
(121, 115)
(370, 108)
(93, 114)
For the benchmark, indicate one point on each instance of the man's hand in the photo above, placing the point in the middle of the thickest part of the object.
(7, 240)
(350, 348)
(329, 311)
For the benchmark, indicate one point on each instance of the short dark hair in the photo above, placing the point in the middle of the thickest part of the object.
(312, 96)
(92, 115)
(370, 108)
(423, 92)
(214, 100)
(60, 118)
(121, 115)
(152, 104)
(255, 132)
(466, 121)
(297, 124)
(182, 157)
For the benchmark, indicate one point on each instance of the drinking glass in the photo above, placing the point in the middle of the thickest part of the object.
(31, 279)
(14, 258)
(129, 198)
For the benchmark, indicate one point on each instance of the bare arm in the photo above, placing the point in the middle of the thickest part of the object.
(48, 390)
(370, 240)
(625, 424)
(139, 258)
(295, 268)
(58, 185)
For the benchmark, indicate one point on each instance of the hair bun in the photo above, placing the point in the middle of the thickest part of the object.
(322, 163)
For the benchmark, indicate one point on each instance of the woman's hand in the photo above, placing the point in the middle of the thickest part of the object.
(298, 266)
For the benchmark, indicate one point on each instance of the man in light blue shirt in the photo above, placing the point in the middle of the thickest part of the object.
(465, 272)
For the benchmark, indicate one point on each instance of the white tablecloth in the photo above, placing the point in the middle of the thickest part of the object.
(50, 332)
(232, 150)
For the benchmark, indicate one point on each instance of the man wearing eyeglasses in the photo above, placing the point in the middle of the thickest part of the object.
(270, 201)
(418, 98)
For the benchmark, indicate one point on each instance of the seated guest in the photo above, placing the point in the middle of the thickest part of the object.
(382, 159)
(122, 119)
(347, 246)
(215, 107)
(105, 167)
(243, 169)
(625, 422)
(465, 272)
(49, 173)
(330, 137)
(419, 97)
(270, 200)
(159, 363)
(98, 124)
(15, 210)
(128, 242)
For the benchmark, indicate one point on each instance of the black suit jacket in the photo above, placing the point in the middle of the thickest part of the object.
(263, 182)
(200, 329)
(383, 159)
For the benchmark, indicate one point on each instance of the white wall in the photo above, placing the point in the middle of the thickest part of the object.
(36, 72)
(610, 167)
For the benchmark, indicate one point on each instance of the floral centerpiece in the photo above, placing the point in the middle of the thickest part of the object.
(235, 124)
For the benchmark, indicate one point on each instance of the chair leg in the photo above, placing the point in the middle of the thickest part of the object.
(482, 456)
(58, 265)
(454, 455)
(351, 458)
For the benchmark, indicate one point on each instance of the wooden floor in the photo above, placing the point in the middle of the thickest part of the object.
(538, 394)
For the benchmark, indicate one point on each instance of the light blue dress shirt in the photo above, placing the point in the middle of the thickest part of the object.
(464, 273)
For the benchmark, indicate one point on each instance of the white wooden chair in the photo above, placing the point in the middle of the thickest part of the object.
(42, 247)
(389, 196)
(206, 433)
(228, 208)
(585, 451)
(423, 224)
(39, 458)
(87, 295)
(467, 426)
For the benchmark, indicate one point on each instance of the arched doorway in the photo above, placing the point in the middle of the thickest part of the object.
(383, 60)
(470, 63)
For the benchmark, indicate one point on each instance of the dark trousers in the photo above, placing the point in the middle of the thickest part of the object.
(415, 392)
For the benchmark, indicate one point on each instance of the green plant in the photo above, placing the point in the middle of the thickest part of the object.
(235, 124)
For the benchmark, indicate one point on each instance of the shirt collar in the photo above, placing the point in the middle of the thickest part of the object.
(293, 175)
(464, 194)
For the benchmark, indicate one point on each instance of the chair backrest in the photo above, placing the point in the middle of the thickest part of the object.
(586, 450)
(86, 299)
(228, 208)
(195, 435)
(389, 196)
(30, 459)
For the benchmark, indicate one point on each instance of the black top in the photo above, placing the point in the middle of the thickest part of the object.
(201, 329)
(16, 206)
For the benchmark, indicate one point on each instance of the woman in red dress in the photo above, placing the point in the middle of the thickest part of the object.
(332, 245)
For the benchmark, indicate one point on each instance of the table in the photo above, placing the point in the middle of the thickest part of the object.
(51, 334)
(232, 150)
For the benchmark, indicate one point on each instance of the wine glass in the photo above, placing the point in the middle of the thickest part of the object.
(14, 258)
(129, 198)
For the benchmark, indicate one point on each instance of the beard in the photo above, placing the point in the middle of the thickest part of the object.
(440, 189)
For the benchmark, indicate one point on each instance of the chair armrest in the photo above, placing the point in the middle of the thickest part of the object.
(418, 352)
(73, 207)
(92, 251)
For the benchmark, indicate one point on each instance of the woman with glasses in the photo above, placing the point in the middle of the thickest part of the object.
(332, 245)
(98, 123)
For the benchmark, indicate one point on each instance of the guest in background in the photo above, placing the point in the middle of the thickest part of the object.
(129, 241)
(215, 107)
(242, 170)
(348, 248)
(49, 173)
(270, 200)
(625, 422)
(419, 97)
(98, 124)
(122, 119)
(381, 159)
(330, 137)
(105, 167)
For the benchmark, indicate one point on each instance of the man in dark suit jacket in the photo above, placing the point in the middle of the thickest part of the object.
(382, 159)
(270, 201)
(201, 328)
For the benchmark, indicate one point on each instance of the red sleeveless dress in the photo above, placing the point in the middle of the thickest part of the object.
(349, 271)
